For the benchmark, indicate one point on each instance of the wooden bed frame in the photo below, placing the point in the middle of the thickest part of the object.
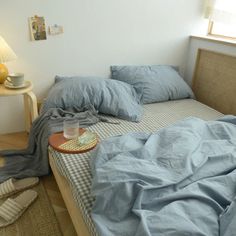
(74, 211)
(214, 74)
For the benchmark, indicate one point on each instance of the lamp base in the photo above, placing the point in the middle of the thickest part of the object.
(3, 73)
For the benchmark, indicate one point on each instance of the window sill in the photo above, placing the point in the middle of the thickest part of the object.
(215, 39)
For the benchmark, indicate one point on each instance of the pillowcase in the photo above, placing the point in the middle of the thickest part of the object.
(155, 83)
(107, 96)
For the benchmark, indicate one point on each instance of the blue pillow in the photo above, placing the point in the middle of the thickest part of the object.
(107, 96)
(156, 83)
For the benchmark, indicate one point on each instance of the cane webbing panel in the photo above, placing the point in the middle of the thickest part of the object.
(214, 82)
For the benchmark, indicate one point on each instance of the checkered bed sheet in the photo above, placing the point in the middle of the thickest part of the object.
(76, 169)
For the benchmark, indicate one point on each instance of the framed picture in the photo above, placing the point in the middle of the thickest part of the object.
(37, 28)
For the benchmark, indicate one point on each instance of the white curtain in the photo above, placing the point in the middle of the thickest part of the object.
(223, 11)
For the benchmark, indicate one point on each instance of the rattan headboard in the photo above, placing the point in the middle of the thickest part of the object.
(214, 81)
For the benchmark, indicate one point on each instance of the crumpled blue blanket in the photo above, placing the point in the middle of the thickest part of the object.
(33, 161)
(178, 181)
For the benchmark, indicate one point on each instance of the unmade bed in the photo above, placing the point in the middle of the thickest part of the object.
(210, 83)
(76, 169)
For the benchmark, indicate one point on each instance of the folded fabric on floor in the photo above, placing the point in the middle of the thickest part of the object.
(178, 181)
(33, 161)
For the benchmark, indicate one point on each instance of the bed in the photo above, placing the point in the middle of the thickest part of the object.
(73, 174)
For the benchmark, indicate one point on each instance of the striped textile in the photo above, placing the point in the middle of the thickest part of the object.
(10, 209)
(7, 187)
(157, 115)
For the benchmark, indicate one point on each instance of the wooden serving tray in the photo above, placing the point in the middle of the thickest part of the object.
(58, 142)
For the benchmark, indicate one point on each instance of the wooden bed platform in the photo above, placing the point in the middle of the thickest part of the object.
(74, 211)
(215, 73)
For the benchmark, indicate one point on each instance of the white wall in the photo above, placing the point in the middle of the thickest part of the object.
(98, 33)
(195, 44)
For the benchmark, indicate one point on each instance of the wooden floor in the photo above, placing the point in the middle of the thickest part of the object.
(18, 141)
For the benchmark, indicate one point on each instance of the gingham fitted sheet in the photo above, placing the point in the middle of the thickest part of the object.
(76, 168)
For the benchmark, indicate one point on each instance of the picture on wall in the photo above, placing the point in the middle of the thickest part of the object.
(37, 28)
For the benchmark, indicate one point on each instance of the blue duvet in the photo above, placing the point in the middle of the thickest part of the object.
(178, 181)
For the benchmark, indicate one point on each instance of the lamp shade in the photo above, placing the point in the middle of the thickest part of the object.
(6, 53)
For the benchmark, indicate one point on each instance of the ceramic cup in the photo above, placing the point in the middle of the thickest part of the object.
(16, 79)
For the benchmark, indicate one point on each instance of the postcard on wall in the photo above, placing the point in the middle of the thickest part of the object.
(37, 28)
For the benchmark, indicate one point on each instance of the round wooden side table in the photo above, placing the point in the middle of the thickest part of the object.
(58, 142)
(30, 101)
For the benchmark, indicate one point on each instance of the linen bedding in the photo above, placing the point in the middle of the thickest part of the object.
(107, 96)
(79, 98)
(180, 180)
(33, 161)
(153, 83)
(76, 168)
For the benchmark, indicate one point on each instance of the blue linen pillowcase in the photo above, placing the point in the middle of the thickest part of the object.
(155, 83)
(107, 96)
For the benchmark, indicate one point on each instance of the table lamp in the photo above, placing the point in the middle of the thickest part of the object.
(6, 54)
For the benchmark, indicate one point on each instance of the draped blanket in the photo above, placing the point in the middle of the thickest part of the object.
(33, 161)
(178, 181)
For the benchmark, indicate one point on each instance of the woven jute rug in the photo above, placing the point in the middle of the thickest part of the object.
(38, 220)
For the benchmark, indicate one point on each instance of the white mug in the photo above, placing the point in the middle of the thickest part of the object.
(16, 79)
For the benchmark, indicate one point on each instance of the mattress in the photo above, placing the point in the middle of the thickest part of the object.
(76, 169)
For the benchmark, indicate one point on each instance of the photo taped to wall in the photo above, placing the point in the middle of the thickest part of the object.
(37, 28)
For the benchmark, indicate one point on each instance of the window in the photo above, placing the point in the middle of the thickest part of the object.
(222, 30)
(222, 18)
